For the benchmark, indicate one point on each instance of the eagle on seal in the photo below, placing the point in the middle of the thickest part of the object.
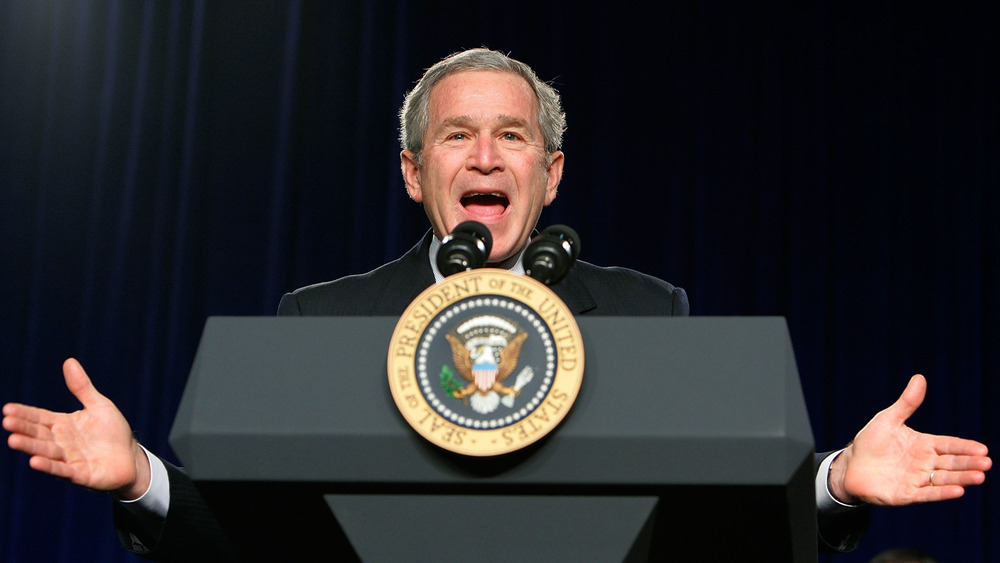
(485, 362)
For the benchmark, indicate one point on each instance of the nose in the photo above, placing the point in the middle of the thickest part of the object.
(485, 156)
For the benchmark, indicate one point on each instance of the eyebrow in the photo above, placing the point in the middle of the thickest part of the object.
(501, 121)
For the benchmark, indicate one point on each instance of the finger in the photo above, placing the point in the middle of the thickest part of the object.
(963, 462)
(50, 466)
(950, 445)
(79, 384)
(908, 402)
(936, 493)
(34, 446)
(29, 413)
(27, 428)
(963, 478)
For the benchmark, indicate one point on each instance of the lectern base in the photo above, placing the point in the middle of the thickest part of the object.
(495, 528)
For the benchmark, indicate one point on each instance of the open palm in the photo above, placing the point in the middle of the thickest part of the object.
(92, 447)
(889, 463)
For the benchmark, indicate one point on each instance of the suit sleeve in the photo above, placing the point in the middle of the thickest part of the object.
(189, 533)
(841, 531)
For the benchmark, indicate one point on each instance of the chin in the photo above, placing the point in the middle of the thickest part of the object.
(501, 253)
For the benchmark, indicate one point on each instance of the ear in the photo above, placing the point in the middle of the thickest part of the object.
(554, 174)
(411, 175)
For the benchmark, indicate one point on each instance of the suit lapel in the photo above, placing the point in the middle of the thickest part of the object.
(411, 276)
(574, 292)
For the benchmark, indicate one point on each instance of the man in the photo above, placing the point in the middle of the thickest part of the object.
(480, 136)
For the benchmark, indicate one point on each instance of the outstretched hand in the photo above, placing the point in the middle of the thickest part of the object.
(92, 447)
(890, 464)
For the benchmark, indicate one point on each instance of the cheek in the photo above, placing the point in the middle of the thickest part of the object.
(439, 182)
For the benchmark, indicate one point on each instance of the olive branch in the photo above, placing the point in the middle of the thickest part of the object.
(448, 383)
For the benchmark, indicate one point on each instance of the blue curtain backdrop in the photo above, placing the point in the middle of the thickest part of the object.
(161, 162)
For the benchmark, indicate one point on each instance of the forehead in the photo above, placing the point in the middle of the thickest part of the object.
(483, 94)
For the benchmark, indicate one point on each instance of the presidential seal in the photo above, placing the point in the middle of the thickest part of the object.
(486, 362)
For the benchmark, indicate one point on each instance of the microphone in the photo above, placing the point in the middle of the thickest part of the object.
(551, 254)
(467, 247)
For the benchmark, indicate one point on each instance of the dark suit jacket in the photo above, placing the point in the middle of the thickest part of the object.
(387, 291)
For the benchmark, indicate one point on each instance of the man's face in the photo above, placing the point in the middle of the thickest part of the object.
(484, 159)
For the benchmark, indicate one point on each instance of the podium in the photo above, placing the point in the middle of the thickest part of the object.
(689, 441)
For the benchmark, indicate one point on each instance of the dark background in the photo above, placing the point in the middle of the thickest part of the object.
(161, 162)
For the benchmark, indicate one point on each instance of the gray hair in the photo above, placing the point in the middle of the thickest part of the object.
(413, 116)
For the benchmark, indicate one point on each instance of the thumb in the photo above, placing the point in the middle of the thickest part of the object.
(79, 384)
(909, 401)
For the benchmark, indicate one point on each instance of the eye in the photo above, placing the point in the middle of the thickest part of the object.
(509, 136)
(458, 137)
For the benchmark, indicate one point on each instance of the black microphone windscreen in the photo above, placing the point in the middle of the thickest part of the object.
(478, 230)
(551, 254)
(466, 247)
(566, 234)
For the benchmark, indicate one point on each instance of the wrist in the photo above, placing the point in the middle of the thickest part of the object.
(837, 478)
(140, 484)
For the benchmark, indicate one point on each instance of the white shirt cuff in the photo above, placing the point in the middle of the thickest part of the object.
(156, 500)
(826, 503)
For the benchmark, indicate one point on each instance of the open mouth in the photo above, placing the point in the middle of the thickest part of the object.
(485, 205)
